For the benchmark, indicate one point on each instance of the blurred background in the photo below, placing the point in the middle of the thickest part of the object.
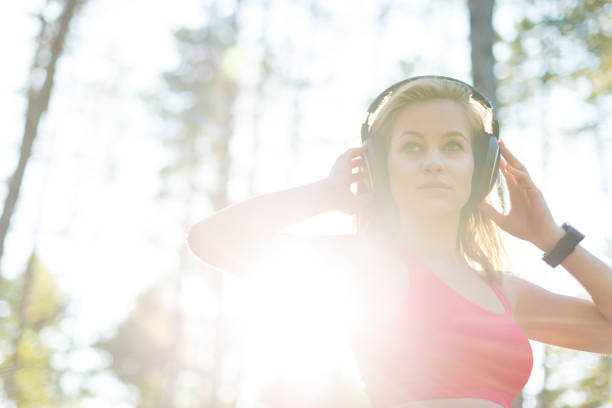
(125, 122)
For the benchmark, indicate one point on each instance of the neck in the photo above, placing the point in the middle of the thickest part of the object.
(431, 238)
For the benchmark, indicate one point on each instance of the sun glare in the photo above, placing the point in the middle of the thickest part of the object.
(300, 310)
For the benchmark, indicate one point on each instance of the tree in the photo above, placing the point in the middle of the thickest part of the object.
(546, 35)
(592, 388)
(207, 77)
(35, 306)
(144, 344)
(198, 100)
(50, 44)
(482, 37)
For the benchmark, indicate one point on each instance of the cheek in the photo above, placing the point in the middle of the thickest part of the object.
(400, 170)
(465, 172)
(401, 162)
(399, 177)
(469, 167)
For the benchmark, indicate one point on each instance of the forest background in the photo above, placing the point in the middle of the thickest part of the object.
(126, 122)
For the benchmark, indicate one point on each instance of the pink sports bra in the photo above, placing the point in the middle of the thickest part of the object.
(441, 345)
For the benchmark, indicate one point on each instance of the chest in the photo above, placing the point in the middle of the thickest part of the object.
(442, 338)
(385, 278)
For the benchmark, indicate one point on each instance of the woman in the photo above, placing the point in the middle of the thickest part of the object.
(443, 326)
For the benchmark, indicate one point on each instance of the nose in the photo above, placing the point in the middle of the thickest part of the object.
(432, 162)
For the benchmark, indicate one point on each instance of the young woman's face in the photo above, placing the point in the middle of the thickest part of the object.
(430, 161)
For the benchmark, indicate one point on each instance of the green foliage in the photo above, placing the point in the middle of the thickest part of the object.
(34, 377)
(561, 42)
(565, 44)
(589, 380)
(35, 304)
(597, 384)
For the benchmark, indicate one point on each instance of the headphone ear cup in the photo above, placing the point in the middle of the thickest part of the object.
(367, 168)
(495, 154)
(376, 156)
(486, 167)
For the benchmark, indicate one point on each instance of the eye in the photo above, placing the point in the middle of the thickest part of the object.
(454, 146)
(411, 147)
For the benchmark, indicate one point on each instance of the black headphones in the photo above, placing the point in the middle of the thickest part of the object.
(486, 148)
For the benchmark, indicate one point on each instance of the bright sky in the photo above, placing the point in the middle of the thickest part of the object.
(89, 188)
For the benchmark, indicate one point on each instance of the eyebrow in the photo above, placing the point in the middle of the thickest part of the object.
(446, 134)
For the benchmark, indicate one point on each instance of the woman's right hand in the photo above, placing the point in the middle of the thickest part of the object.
(341, 177)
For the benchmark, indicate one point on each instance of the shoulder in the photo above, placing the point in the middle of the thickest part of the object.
(518, 291)
(512, 284)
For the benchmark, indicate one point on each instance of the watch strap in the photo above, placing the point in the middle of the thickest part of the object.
(564, 246)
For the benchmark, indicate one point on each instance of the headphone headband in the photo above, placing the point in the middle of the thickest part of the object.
(387, 92)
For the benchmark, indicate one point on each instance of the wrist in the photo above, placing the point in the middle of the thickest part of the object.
(564, 246)
(324, 192)
(550, 239)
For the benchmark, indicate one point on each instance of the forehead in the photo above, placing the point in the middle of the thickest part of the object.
(432, 118)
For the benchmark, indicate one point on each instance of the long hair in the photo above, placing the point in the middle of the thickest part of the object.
(478, 238)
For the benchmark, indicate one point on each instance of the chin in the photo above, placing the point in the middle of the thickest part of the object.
(433, 208)
(443, 212)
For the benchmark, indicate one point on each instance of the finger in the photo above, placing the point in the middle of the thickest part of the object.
(526, 183)
(510, 157)
(492, 213)
(356, 176)
(355, 151)
(517, 194)
(502, 163)
(524, 191)
(510, 180)
(521, 176)
(515, 189)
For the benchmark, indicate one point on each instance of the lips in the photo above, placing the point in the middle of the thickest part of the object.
(434, 185)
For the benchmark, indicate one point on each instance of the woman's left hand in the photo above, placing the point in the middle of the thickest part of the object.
(529, 217)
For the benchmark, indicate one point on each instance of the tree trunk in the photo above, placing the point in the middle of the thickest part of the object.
(482, 37)
(51, 42)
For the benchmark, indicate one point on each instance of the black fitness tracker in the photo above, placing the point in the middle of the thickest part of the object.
(564, 247)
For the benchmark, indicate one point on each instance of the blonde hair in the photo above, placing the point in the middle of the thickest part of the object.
(478, 239)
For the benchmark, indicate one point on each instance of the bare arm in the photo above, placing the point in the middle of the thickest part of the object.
(592, 273)
(530, 219)
(230, 237)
